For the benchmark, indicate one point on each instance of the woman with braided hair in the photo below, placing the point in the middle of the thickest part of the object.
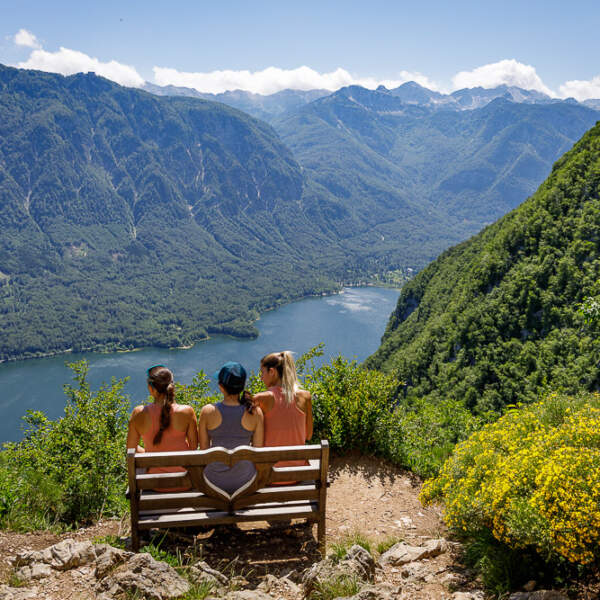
(164, 425)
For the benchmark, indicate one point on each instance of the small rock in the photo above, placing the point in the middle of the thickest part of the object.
(201, 572)
(33, 571)
(530, 585)
(468, 596)
(108, 557)
(402, 553)
(62, 556)
(381, 591)
(12, 593)
(143, 575)
(539, 595)
(358, 563)
(248, 595)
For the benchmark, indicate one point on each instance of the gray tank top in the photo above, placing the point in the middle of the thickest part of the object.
(230, 434)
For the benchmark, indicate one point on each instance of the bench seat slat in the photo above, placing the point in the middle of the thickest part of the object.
(196, 458)
(308, 510)
(151, 481)
(179, 500)
(279, 493)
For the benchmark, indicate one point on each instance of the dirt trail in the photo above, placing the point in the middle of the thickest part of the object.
(367, 496)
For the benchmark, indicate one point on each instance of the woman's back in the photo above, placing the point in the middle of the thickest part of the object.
(174, 437)
(285, 422)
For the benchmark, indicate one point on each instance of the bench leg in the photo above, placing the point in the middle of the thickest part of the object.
(135, 537)
(321, 537)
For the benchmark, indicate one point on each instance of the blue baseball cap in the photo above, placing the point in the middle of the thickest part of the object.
(233, 376)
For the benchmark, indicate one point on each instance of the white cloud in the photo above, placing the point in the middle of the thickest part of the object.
(26, 38)
(274, 79)
(509, 72)
(69, 62)
(581, 89)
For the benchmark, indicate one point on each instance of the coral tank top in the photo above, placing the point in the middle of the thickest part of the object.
(285, 425)
(172, 440)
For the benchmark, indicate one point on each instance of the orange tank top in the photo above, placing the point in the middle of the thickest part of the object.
(172, 440)
(285, 425)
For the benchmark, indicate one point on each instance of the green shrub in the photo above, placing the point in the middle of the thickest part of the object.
(71, 470)
(531, 481)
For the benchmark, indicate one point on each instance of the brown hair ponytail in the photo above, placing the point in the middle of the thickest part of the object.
(161, 379)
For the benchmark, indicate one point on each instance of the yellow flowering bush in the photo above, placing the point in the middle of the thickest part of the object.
(532, 479)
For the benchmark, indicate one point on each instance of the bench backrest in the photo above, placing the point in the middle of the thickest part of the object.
(312, 478)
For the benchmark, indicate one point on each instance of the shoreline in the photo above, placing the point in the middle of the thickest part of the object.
(105, 350)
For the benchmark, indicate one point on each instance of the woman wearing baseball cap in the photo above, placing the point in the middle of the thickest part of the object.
(233, 422)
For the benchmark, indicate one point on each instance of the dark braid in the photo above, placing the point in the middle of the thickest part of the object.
(161, 379)
(246, 400)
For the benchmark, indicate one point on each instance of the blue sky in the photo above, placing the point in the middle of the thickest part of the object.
(260, 45)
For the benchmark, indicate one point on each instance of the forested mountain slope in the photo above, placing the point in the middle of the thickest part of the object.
(372, 148)
(128, 219)
(495, 319)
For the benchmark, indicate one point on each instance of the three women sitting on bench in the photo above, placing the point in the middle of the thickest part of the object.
(280, 416)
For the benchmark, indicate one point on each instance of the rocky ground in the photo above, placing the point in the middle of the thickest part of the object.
(368, 498)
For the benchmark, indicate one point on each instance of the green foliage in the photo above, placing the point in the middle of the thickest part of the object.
(340, 586)
(385, 544)
(72, 470)
(351, 404)
(340, 548)
(530, 481)
(500, 319)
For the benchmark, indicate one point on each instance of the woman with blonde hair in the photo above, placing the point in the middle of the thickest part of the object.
(286, 407)
(164, 425)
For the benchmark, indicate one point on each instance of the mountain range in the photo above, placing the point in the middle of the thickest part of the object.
(270, 106)
(130, 219)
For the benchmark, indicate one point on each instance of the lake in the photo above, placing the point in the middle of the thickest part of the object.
(350, 324)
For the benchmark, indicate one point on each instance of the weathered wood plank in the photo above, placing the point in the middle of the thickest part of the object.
(295, 473)
(229, 457)
(183, 519)
(180, 500)
(153, 481)
(280, 493)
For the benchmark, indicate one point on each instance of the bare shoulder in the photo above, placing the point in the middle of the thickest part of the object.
(138, 410)
(303, 399)
(207, 410)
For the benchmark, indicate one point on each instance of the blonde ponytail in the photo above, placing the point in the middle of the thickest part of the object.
(286, 369)
(289, 377)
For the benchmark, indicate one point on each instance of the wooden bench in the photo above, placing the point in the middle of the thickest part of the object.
(204, 504)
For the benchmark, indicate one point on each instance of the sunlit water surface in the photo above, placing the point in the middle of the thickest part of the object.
(350, 324)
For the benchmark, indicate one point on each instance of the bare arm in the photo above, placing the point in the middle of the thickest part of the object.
(258, 437)
(309, 416)
(192, 430)
(133, 435)
(264, 400)
(203, 439)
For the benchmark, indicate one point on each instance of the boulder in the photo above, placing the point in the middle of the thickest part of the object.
(402, 553)
(109, 557)
(33, 571)
(13, 593)
(143, 575)
(67, 554)
(274, 585)
(358, 563)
